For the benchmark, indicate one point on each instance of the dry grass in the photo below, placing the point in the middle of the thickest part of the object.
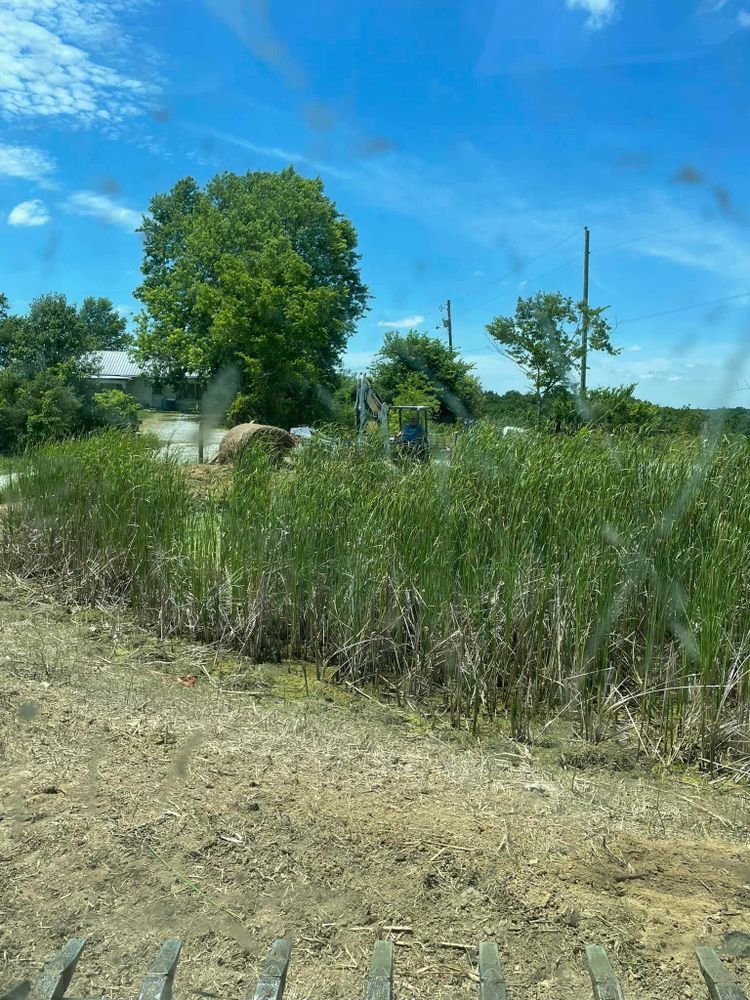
(135, 807)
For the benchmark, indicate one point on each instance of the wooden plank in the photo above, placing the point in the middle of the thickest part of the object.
(491, 982)
(605, 982)
(158, 982)
(379, 985)
(272, 976)
(57, 973)
(721, 984)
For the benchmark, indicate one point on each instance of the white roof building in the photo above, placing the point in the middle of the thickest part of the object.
(117, 370)
(117, 365)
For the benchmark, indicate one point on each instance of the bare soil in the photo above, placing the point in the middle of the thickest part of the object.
(151, 789)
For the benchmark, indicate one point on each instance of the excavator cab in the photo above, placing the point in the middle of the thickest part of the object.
(412, 441)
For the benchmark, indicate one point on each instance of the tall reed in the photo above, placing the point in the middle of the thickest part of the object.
(526, 575)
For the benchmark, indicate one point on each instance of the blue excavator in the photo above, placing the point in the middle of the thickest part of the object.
(411, 440)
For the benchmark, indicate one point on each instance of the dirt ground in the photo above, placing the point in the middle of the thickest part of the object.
(137, 803)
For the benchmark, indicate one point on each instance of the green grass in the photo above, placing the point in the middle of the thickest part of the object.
(527, 576)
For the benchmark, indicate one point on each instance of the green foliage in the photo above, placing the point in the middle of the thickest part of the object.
(43, 407)
(55, 411)
(9, 332)
(50, 335)
(106, 328)
(117, 409)
(241, 410)
(521, 409)
(294, 401)
(415, 368)
(603, 576)
(259, 271)
(417, 390)
(616, 409)
(341, 401)
(543, 337)
(513, 408)
(55, 332)
(45, 386)
(613, 409)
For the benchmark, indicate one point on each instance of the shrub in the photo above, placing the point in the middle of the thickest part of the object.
(42, 408)
(116, 408)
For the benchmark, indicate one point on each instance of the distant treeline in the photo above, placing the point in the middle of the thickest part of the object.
(612, 409)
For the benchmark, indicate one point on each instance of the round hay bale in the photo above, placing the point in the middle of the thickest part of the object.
(275, 440)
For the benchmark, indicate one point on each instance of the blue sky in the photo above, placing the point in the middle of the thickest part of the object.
(469, 146)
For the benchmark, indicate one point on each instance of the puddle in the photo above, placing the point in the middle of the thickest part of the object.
(179, 437)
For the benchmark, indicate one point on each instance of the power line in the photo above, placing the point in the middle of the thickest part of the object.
(670, 312)
(649, 236)
(656, 315)
(507, 294)
(517, 270)
(573, 260)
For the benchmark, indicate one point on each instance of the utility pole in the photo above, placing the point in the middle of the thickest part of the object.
(448, 323)
(585, 323)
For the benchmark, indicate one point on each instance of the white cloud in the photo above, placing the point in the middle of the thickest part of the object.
(284, 155)
(29, 213)
(717, 249)
(103, 208)
(634, 348)
(25, 162)
(401, 324)
(702, 374)
(743, 19)
(48, 68)
(600, 12)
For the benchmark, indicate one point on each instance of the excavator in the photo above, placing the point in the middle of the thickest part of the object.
(411, 441)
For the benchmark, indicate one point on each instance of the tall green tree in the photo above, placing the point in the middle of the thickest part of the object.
(416, 368)
(544, 338)
(51, 335)
(258, 272)
(8, 330)
(107, 329)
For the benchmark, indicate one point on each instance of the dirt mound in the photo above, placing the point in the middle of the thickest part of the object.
(275, 439)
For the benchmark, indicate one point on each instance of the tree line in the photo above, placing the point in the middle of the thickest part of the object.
(46, 369)
(255, 280)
